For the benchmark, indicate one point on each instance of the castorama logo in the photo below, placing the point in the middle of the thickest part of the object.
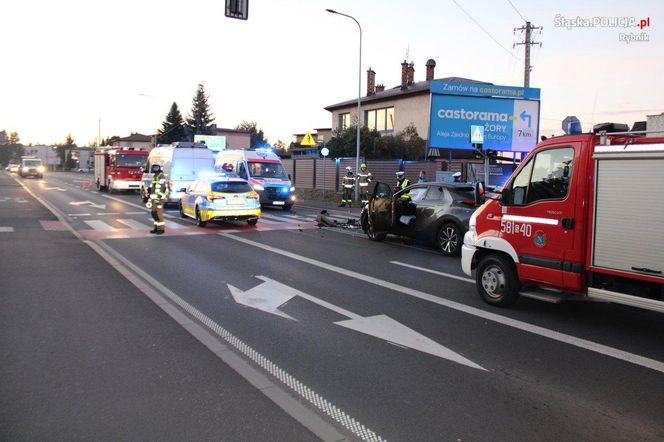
(462, 114)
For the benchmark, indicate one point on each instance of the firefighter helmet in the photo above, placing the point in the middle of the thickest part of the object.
(349, 169)
(155, 168)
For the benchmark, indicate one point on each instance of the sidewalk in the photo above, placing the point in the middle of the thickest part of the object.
(84, 355)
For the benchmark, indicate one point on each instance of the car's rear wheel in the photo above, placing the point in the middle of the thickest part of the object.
(252, 222)
(373, 236)
(199, 220)
(497, 281)
(449, 239)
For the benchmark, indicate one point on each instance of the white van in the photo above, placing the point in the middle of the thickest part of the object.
(264, 171)
(182, 163)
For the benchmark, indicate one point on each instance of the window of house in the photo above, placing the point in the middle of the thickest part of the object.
(344, 121)
(381, 120)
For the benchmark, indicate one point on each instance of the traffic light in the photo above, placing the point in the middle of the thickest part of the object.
(477, 152)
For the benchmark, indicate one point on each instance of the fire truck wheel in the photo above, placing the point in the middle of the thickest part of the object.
(199, 221)
(497, 281)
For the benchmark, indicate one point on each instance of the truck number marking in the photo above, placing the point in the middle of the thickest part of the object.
(511, 227)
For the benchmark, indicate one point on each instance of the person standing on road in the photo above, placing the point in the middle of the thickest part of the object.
(158, 196)
(423, 177)
(402, 183)
(348, 184)
(363, 179)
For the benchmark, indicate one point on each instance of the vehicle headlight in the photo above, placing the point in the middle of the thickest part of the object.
(258, 187)
(472, 223)
(292, 189)
(40, 169)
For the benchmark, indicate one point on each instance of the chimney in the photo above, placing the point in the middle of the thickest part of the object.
(380, 88)
(411, 73)
(404, 75)
(431, 64)
(371, 82)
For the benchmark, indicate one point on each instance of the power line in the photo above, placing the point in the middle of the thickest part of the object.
(517, 11)
(485, 31)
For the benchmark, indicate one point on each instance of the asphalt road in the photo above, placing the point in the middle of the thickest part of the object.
(383, 340)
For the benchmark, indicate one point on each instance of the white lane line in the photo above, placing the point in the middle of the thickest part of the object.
(285, 218)
(447, 275)
(100, 226)
(133, 224)
(174, 225)
(108, 213)
(514, 323)
(6, 229)
(134, 213)
(79, 214)
(163, 297)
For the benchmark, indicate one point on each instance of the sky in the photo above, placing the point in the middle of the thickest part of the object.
(115, 67)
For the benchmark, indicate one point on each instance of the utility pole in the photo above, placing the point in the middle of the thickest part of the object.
(527, 43)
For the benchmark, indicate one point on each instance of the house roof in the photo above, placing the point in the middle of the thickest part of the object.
(137, 137)
(420, 87)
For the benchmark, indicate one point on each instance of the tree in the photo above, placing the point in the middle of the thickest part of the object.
(12, 150)
(406, 145)
(172, 129)
(257, 136)
(110, 140)
(200, 117)
(344, 142)
(66, 153)
(281, 149)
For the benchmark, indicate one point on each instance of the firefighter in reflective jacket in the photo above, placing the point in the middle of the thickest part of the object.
(158, 196)
(363, 179)
(348, 184)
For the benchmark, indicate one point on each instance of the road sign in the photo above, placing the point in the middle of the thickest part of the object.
(476, 134)
(325, 151)
(308, 140)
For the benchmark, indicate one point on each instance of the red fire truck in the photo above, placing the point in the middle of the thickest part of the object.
(119, 168)
(580, 217)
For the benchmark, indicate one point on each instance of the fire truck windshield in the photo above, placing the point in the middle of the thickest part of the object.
(124, 160)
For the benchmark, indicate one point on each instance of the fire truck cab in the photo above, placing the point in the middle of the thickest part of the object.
(578, 218)
(119, 168)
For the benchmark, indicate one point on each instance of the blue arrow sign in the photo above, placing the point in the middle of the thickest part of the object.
(525, 115)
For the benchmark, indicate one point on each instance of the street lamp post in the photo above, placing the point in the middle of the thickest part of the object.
(359, 99)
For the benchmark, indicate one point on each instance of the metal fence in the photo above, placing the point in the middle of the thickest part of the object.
(326, 174)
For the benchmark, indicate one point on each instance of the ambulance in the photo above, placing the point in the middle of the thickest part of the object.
(263, 169)
(580, 218)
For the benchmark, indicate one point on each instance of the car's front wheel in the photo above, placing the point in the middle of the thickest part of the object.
(449, 239)
(252, 222)
(181, 211)
(497, 281)
(373, 236)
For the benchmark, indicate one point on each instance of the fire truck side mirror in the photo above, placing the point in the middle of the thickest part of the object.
(506, 196)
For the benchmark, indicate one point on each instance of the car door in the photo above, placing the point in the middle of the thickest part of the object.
(380, 208)
(538, 213)
(189, 199)
(417, 207)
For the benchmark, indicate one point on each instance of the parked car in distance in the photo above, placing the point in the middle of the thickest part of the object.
(224, 197)
(436, 213)
(12, 167)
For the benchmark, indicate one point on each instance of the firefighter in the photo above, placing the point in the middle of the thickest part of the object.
(363, 179)
(348, 183)
(158, 196)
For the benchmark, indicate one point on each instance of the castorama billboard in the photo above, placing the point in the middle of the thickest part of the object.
(510, 115)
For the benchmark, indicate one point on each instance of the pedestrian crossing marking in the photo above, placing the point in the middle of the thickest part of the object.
(174, 225)
(133, 224)
(100, 226)
(6, 229)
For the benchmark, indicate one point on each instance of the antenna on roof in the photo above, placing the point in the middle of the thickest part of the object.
(407, 52)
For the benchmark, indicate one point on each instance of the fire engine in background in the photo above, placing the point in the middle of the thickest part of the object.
(119, 168)
(580, 217)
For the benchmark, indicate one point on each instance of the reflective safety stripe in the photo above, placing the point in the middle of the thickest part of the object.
(364, 184)
(157, 223)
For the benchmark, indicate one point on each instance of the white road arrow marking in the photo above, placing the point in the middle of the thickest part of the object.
(90, 203)
(270, 294)
(59, 189)
(4, 199)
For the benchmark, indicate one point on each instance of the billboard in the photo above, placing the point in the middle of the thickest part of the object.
(213, 142)
(509, 115)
